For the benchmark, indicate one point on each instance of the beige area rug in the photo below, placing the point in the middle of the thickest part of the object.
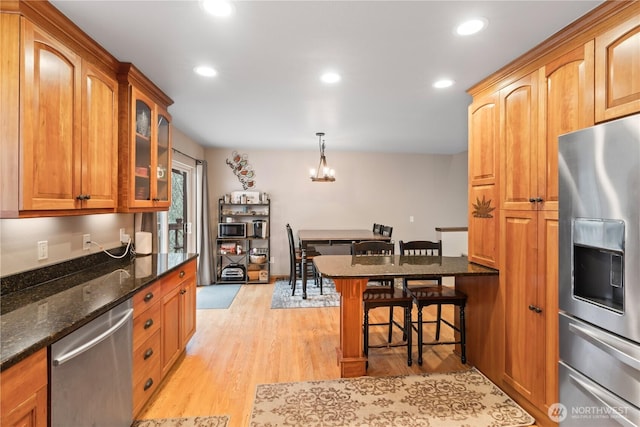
(465, 398)
(209, 421)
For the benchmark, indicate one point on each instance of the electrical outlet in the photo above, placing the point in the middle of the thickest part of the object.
(86, 242)
(272, 260)
(43, 250)
(411, 218)
(124, 237)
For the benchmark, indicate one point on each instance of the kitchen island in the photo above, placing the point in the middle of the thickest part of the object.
(351, 274)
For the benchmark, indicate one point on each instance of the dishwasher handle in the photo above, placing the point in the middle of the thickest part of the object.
(97, 340)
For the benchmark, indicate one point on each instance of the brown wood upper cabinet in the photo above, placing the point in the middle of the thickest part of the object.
(145, 144)
(483, 180)
(64, 140)
(519, 145)
(617, 69)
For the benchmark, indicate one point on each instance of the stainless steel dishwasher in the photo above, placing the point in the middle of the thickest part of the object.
(91, 373)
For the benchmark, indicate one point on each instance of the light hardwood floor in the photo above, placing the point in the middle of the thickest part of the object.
(235, 349)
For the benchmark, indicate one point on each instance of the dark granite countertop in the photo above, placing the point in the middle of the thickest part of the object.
(36, 316)
(412, 266)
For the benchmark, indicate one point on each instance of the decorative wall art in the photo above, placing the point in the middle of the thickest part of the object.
(482, 208)
(242, 169)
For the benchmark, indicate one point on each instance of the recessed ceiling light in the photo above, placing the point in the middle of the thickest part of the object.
(330, 77)
(220, 8)
(471, 26)
(205, 71)
(441, 84)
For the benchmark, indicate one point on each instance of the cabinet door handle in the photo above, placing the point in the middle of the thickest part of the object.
(532, 200)
(83, 197)
(539, 200)
(87, 196)
(148, 384)
(148, 297)
(148, 353)
(183, 291)
(148, 324)
(155, 199)
(534, 308)
(182, 273)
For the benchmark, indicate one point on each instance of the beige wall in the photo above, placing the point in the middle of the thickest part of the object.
(370, 187)
(19, 237)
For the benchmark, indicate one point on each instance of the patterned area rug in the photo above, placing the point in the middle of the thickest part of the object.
(282, 295)
(211, 421)
(465, 398)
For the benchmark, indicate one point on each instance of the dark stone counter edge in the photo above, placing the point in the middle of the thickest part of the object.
(414, 276)
(28, 351)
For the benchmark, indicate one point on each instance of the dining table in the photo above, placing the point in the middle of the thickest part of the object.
(351, 274)
(331, 237)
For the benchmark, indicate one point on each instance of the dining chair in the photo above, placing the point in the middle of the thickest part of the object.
(383, 293)
(386, 230)
(295, 263)
(377, 228)
(430, 291)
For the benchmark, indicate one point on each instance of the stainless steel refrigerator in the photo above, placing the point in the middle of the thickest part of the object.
(599, 275)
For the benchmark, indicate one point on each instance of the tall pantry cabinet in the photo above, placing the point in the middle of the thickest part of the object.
(567, 83)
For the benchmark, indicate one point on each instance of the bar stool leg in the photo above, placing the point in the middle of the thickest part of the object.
(463, 338)
(420, 335)
(439, 313)
(407, 332)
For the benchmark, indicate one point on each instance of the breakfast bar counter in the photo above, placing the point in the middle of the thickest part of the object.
(351, 274)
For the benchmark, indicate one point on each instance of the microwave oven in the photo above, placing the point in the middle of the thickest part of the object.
(232, 229)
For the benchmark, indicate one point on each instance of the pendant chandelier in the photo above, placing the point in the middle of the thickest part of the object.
(323, 173)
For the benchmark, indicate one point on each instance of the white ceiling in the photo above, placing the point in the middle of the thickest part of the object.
(269, 56)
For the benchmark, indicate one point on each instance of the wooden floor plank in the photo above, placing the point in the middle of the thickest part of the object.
(235, 349)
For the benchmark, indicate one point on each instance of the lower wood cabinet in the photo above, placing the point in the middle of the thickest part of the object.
(529, 280)
(23, 393)
(178, 313)
(163, 322)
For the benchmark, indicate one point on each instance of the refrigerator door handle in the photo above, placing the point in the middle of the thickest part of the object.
(609, 401)
(606, 344)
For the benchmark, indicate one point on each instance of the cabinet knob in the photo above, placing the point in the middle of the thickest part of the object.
(539, 199)
(155, 199)
(182, 273)
(532, 200)
(148, 353)
(183, 291)
(148, 384)
(83, 197)
(148, 297)
(148, 324)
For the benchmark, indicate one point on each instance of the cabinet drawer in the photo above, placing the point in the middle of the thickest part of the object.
(179, 275)
(146, 298)
(146, 324)
(145, 385)
(145, 355)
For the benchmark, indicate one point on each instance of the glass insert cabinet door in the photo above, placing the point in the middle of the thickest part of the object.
(163, 169)
(151, 153)
(142, 152)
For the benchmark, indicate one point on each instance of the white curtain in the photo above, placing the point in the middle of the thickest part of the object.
(206, 272)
